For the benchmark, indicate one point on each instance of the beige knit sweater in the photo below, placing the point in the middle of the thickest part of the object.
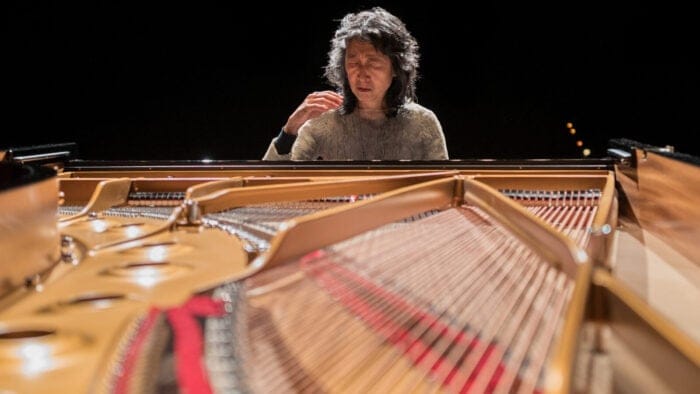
(414, 134)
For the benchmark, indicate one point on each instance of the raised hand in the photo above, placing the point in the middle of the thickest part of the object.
(314, 105)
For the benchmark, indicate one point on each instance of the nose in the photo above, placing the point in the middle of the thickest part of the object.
(363, 70)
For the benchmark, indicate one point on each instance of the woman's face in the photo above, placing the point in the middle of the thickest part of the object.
(369, 73)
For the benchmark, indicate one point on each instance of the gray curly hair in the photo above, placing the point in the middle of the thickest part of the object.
(389, 35)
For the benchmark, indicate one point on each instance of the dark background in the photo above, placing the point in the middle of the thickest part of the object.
(199, 81)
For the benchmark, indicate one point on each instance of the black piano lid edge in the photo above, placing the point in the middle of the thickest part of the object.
(560, 164)
(14, 175)
(67, 153)
(40, 154)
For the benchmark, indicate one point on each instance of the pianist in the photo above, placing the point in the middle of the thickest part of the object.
(373, 64)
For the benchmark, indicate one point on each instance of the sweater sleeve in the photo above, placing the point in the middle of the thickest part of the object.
(435, 146)
(306, 145)
(280, 147)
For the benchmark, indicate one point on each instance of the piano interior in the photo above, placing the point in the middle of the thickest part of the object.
(460, 276)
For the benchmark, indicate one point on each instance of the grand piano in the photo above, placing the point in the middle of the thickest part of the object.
(568, 275)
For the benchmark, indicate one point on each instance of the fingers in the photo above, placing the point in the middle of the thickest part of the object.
(328, 94)
(328, 98)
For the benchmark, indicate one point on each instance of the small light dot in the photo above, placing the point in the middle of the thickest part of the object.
(586, 152)
(569, 125)
(579, 143)
(572, 131)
